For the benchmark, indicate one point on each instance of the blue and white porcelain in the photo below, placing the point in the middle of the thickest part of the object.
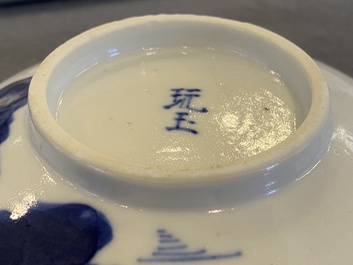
(123, 154)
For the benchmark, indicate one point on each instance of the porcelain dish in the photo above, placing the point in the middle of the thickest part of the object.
(49, 218)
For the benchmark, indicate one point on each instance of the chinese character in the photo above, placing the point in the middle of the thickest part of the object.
(182, 99)
(179, 119)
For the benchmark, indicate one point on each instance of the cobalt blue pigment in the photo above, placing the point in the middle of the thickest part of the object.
(55, 234)
(182, 100)
(171, 249)
(12, 97)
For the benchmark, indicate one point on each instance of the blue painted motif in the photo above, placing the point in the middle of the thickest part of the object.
(12, 97)
(182, 99)
(55, 234)
(171, 249)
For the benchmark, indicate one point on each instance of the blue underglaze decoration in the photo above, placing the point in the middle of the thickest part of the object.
(182, 100)
(55, 234)
(179, 119)
(12, 97)
(171, 249)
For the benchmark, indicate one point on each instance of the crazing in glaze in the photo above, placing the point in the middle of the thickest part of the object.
(56, 234)
(12, 97)
(172, 249)
(182, 100)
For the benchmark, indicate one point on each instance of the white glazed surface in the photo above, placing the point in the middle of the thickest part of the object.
(132, 90)
(307, 222)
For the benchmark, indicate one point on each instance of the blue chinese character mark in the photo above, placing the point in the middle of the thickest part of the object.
(179, 120)
(183, 99)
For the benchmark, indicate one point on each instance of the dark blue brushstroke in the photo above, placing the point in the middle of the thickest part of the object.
(175, 253)
(172, 247)
(12, 97)
(5, 130)
(171, 250)
(192, 258)
(55, 234)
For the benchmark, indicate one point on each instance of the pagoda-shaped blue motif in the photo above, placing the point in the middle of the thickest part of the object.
(172, 249)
